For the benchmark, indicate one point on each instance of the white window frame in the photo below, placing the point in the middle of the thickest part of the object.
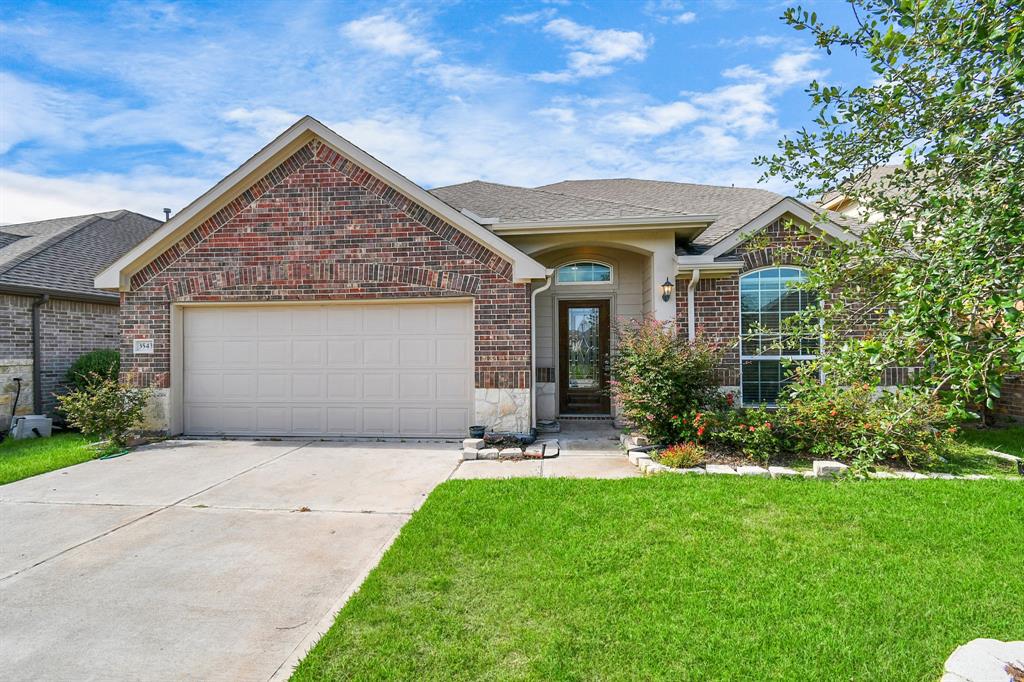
(778, 357)
(589, 261)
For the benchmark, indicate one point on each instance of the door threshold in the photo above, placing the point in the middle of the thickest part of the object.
(585, 416)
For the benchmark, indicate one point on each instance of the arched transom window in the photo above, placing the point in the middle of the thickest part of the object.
(767, 298)
(587, 272)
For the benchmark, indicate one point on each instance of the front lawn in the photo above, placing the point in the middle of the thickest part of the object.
(686, 577)
(30, 456)
(1009, 440)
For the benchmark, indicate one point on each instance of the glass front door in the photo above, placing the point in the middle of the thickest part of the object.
(583, 357)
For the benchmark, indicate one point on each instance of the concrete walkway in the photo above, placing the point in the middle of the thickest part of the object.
(213, 560)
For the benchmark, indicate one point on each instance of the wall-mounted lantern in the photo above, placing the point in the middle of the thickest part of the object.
(666, 289)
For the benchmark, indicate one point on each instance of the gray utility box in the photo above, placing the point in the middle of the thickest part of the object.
(31, 426)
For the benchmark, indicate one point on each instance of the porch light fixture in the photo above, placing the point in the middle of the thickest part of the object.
(666, 289)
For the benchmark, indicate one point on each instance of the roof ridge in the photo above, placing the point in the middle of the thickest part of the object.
(665, 182)
(607, 201)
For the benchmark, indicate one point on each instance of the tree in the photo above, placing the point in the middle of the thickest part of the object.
(939, 277)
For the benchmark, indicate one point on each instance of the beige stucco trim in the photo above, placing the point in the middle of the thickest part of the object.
(118, 275)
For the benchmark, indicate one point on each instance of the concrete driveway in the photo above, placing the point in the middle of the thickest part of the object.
(189, 559)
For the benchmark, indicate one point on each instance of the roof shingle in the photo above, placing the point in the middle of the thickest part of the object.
(63, 255)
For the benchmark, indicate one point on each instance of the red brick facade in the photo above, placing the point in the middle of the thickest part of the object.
(320, 228)
(717, 300)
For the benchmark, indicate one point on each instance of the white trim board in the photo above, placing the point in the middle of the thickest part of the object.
(784, 206)
(118, 275)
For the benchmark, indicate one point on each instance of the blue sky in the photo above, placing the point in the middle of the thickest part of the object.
(143, 105)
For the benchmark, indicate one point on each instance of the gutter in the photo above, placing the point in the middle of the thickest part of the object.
(691, 323)
(22, 290)
(521, 227)
(37, 356)
(548, 281)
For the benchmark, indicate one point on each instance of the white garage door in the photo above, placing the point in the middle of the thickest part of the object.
(397, 369)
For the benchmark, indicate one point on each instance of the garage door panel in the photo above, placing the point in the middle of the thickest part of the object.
(413, 386)
(308, 352)
(416, 352)
(415, 421)
(345, 320)
(453, 386)
(344, 387)
(344, 352)
(379, 351)
(273, 387)
(454, 352)
(343, 421)
(275, 353)
(379, 387)
(396, 369)
(380, 318)
(379, 420)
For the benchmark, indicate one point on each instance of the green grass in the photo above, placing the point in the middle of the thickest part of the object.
(27, 457)
(686, 578)
(1008, 440)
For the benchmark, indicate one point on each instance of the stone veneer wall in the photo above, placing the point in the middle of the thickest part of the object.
(67, 330)
(320, 228)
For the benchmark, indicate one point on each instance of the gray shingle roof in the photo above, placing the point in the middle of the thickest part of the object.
(63, 255)
(734, 206)
(509, 204)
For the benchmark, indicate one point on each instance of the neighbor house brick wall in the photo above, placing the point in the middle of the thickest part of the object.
(15, 354)
(67, 330)
(70, 329)
(1011, 400)
(320, 228)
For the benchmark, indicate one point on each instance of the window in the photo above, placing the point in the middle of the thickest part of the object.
(585, 273)
(767, 298)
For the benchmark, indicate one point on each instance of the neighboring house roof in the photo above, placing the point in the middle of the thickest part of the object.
(872, 177)
(62, 256)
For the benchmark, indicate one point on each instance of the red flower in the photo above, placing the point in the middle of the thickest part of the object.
(700, 431)
(833, 413)
(768, 425)
(752, 429)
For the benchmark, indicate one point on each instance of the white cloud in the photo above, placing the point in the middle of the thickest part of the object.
(25, 197)
(561, 115)
(748, 41)
(387, 35)
(656, 120)
(529, 17)
(32, 111)
(594, 52)
(669, 12)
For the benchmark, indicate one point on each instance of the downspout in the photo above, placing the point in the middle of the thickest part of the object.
(37, 356)
(691, 287)
(548, 281)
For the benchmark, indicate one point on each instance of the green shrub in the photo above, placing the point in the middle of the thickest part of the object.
(682, 455)
(755, 432)
(104, 363)
(862, 425)
(658, 374)
(105, 408)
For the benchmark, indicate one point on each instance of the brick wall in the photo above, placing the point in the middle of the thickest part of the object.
(1011, 401)
(717, 300)
(67, 330)
(320, 228)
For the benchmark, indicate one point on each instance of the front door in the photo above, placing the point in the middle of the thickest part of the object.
(583, 343)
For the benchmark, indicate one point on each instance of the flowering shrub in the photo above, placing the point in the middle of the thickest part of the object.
(658, 374)
(682, 455)
(755, 432)
(865, 426)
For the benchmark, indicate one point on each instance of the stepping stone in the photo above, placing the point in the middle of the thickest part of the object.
(720, 469)
(780, 472)
(750, 470)
(985, 660)
(826, 469)
(510, 453)
(487, 453)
